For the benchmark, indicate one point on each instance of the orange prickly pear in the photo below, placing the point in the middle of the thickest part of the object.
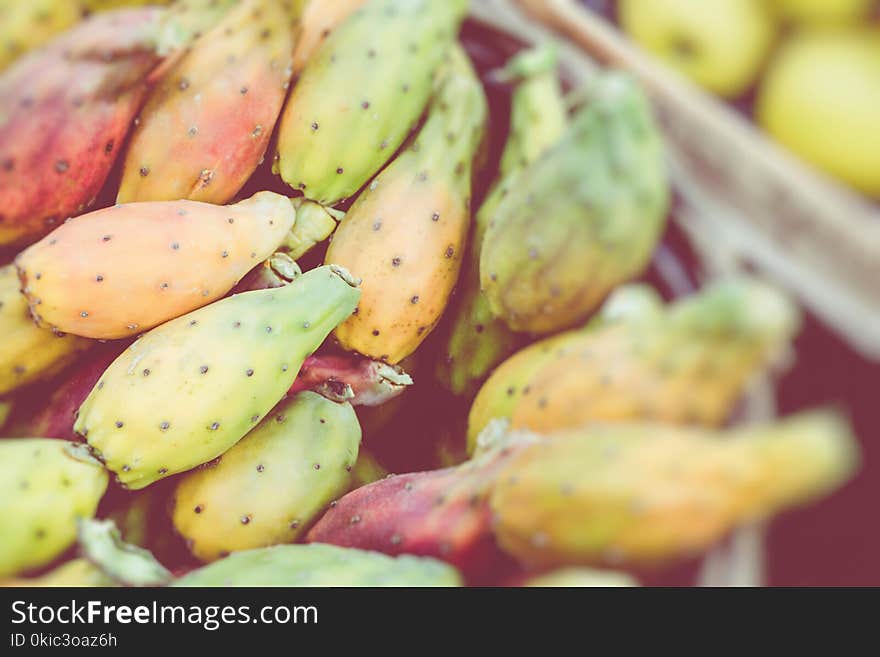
(644, 494)
(64, 113)
(117, 272)
(206, 125)
(406, 233)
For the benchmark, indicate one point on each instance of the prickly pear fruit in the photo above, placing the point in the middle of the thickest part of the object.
(104, 5)
(643, 494)
(101, 543)
(580, 220)
(580, 577)
(76, 572)
(361, 93)
(360, 381)
(319, 19)
(477, 340)
(367, 469)
(28, 25)
(57, 416)
(187, 20)
(28, 353)
(117, 272)
(405, 235)
(272, 484)
(277, 271)
(691, 364)
(187, 391)
(314, 224)
(437, 513)
(64, 113)
(206, 125)
(45, 485)
(320, 565)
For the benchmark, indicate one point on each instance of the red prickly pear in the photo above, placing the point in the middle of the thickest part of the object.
(64, 113)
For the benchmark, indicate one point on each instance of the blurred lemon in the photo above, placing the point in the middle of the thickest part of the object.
(822, 11)
(721, 44)
(821, 99)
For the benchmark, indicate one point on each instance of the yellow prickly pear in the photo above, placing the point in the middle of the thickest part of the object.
(644, 494)
(361, 93)
(190, 389)
(478, 340)
(28, 24)
(272, 484)
(206, 124)
(581, 219)
(117, 272)
(405, 235)
(28, 353)
(45, 485)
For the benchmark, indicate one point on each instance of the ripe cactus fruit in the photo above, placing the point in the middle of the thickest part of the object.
(117, 272)
(272, 484)
(689, 362)
(406, 233)
(314, 224)
(360, 94)
(437, 513)
(206, 124)
(320, 565)
(28, 25)
(187, 20)
(64, 113)
(645, 494)
(187, 391)
(28, 353)
(580, 220)
(690, 365)
(45, 485)
(477, 340)
(319, 19)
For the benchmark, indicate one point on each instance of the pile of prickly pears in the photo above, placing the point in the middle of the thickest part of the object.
(258, 254)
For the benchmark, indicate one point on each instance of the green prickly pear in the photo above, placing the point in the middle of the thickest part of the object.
(405, 235)
(689, 362)
(206, 124)
(361, 93)
(28, 353)
(477, 340)
(580, 220)
(187, 391)
(270, 486)
(645, 494)
(117, 272)
(319, 19)
(45, 485)
(320, 565)
(101, 542)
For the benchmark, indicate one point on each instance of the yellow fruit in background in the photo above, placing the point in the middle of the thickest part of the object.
(28, 24)
(822, 11)
(821, 99)
(721, 44)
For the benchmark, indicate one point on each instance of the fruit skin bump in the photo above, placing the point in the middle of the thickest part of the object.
(477, 340)
(646, 494)
(117, 272)
(687, 363)
(28, 353)
(320, 565)
(45, 485)
(272, 484)
(185, 392)
(583, 218)
(405, 235)
(64, 113)
(361, 93)
(206, 124)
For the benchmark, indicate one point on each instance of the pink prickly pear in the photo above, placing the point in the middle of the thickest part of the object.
(206, 125)
(117, 272)
(64, 113)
